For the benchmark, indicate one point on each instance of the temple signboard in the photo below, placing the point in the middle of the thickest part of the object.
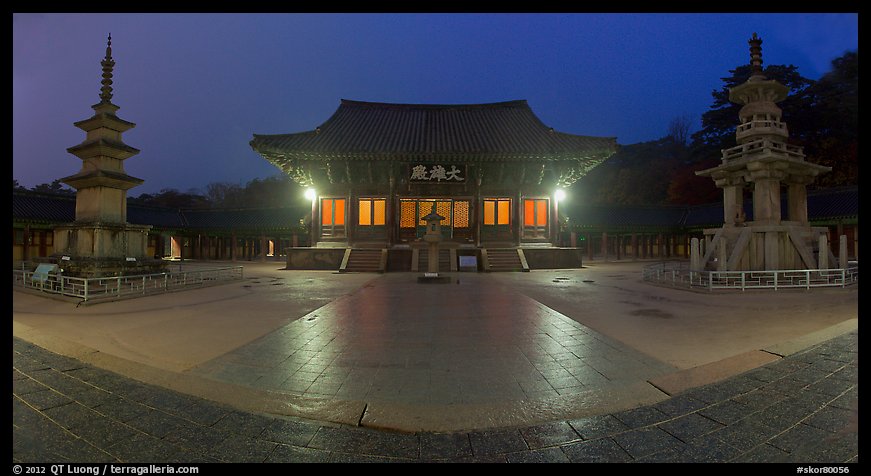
(437, 173)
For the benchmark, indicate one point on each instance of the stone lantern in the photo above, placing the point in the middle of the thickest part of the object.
(433, 237)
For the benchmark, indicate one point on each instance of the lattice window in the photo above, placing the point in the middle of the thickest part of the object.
(406, 213)
(444, 209)
(461, 214)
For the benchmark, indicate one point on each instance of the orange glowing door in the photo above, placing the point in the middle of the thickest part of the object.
(333, 217)
(535, 218)
(497, 219)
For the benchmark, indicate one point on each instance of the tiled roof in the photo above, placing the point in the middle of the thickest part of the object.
(832, 204)
(368, 130)
(154, 216)
(252, 218)
(823, 205)
(54, 208)
(43, 207)
(626, 216)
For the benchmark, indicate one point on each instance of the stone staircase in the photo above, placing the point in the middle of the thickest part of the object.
(504, 259)
(362, 261)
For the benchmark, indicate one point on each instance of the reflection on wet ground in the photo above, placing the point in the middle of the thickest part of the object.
(395, 340)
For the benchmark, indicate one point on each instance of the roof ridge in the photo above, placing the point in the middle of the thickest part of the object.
(512, 103)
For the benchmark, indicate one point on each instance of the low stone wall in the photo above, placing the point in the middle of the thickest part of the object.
(553, 258)
(314, 258)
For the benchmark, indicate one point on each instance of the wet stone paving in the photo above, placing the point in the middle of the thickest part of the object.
(486, 346)
(800, 409)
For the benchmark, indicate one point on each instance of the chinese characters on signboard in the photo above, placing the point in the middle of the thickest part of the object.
(437, 173)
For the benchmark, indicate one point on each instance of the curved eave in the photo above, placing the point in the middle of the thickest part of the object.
(107, 120)
(103, 147)
(102, 178)
(300, 155)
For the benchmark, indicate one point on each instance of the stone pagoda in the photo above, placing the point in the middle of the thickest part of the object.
(764, 161)
(101, 242)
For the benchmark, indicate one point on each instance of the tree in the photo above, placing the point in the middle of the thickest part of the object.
(687, 188)
(275, 191)
(225, 195)
(172, 198)
(832, 138)
(55, 187)
(719, 123)
(17, 186)
(679, 129)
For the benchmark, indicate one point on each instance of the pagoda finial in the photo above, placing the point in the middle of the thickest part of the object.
(755, 55)
(108, 63)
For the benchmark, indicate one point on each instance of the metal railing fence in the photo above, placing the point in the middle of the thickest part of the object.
(679, 274)
(121, 287)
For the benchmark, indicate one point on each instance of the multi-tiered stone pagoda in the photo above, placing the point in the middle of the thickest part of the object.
(101, 242)
(764, 161)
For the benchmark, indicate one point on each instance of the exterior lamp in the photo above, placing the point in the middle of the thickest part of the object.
(560, 194)
(310, 194)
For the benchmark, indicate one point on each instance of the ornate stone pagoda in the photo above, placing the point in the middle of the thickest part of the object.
(764, 161)
(100, 242)
(377, 169)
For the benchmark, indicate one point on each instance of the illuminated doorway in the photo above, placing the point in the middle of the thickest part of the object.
(333, 217)
(497, 219)
(412, 226)
(535, 218)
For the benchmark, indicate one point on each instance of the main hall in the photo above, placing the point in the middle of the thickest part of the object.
(494, 171)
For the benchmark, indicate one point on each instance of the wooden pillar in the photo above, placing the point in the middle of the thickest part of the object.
(634, 243)
(352, 213)
(604, 246)
(316, 222)
(390, 206)
(619, 245)
(264, 247)
(555, 237)
(517, 226)
(590, 246)
(26, 253)
(233, 246)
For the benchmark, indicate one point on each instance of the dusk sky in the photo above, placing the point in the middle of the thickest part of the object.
(198, 86)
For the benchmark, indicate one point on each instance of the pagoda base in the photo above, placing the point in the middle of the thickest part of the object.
(107, 267)
(96, 250)
(764, 247)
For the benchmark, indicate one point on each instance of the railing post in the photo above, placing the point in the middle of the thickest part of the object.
(165, 282)
(743, 277)
(775, 280)
(807, 279)
(143, 285)
(119, 286)
(86, 289)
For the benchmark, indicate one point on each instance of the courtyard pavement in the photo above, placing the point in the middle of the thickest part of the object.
(548, 366)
